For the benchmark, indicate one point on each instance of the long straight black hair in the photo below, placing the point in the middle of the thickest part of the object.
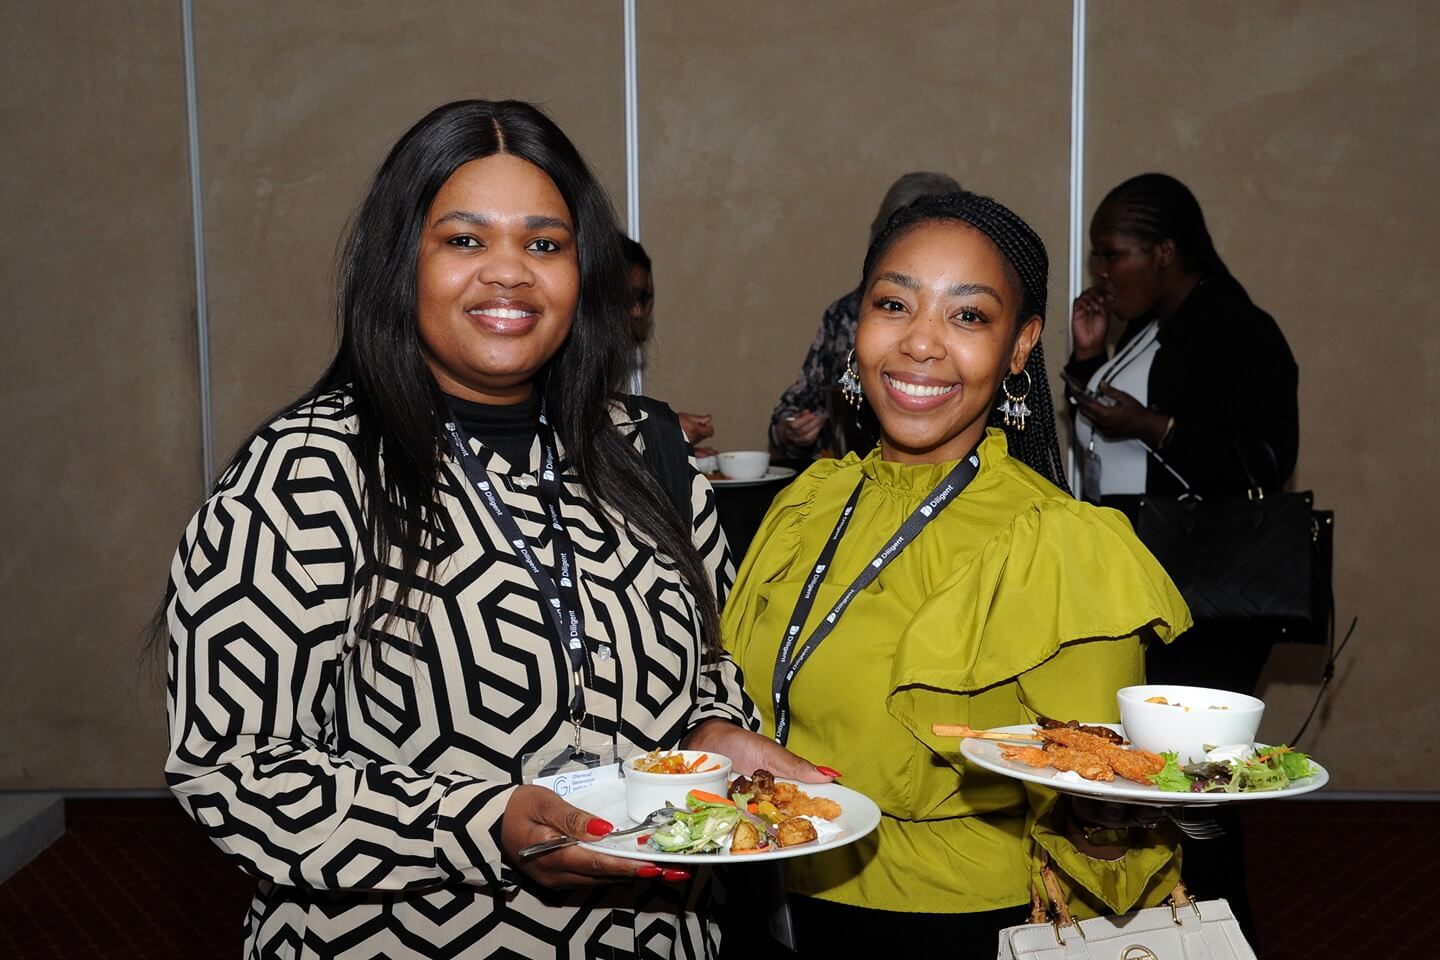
(396, 402)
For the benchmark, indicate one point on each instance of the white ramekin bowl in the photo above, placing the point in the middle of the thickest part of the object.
(648, 792)
(1204, 718)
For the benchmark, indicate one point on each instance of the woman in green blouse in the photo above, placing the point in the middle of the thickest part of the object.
(966, 585)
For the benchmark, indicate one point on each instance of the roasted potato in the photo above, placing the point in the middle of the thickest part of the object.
(745, 837)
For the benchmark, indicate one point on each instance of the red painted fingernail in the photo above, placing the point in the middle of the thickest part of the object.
(649, 873)
(827, 772)
(675, 876)
(598, 828)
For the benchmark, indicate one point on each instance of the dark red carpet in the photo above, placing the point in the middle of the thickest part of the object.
(136, 879)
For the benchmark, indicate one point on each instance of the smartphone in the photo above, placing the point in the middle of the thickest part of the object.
(1080, 389)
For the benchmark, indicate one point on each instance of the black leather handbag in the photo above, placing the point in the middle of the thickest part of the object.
(1258, 559)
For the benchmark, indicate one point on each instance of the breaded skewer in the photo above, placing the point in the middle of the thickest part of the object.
(1088, 765)
(1136, 765)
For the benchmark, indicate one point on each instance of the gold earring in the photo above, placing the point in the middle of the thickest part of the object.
(1013, 407)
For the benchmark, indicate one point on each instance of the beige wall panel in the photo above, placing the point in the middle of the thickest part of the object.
(768, 135)
(1309, 134)
(97, 379)
(300, 102)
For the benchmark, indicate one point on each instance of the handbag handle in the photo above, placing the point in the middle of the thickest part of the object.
(1255, 488)
(1178, 897)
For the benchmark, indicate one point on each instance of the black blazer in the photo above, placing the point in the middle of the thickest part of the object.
(1226, 374)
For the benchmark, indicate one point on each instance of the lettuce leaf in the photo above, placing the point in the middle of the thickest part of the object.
(1296, 765)
(1171, 778)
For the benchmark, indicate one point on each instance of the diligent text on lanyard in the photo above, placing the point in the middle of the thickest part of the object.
(561, 591)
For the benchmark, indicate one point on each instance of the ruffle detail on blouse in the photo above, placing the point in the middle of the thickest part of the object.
(1060, 573)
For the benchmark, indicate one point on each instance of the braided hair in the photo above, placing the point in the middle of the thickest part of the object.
(1027, 267)
(1155, 207)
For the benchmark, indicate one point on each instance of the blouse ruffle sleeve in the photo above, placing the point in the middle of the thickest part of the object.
(1061, 573)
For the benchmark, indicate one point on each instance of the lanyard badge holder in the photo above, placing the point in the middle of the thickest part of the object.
(1090, 471)
(588, 760)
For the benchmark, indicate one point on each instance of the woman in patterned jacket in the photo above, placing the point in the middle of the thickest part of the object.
(445, 558)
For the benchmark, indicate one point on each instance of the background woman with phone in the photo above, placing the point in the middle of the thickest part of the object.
(1200, 385)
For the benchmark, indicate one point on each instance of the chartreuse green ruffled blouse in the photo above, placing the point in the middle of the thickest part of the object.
(1016, 600)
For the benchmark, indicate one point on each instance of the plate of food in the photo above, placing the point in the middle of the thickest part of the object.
(759, 817)
(771, 475)
(1096, 760)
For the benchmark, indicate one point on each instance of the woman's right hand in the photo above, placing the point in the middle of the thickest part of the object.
(535, 814)
(801, 429)
(1089, 324)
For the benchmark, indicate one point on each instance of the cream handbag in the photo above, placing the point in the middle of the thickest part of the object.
(1183, 929)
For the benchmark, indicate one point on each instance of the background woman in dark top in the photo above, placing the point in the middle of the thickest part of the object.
(1217, 406)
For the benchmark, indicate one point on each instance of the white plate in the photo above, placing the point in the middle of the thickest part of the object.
(771, 475)
(986, 754)
(858, 816)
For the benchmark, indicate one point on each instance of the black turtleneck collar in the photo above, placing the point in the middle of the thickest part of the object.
(508, 429)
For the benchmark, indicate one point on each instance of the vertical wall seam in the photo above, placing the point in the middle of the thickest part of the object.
(1078, 241)
(197, 220)
(632, 159)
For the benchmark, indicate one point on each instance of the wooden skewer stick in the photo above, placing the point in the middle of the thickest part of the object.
(964, 731)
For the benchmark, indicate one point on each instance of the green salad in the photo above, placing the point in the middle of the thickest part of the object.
(1271, 768)
(700, 828)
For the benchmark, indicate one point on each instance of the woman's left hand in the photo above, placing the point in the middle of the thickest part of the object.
(749, 752)
(1086, 813)
(1125, 418)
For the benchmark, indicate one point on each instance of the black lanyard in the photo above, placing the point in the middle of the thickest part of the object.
(1131, 352)
(560, 590)
(785, 668)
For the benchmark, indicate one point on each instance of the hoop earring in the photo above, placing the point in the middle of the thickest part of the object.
(1013, 407)
(850, 382)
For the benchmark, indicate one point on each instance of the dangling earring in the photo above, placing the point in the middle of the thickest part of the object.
(1013, 407)
(850, 382)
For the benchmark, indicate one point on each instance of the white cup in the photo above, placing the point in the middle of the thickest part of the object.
(744, 464)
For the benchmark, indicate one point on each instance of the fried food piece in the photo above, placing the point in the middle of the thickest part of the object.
(1077, 739)
(1088, 765)
(746, 837)
(795, 831)
(1030, 756)
(1136, 765)
(789, 799)
(803, 806)
(1105, 733)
